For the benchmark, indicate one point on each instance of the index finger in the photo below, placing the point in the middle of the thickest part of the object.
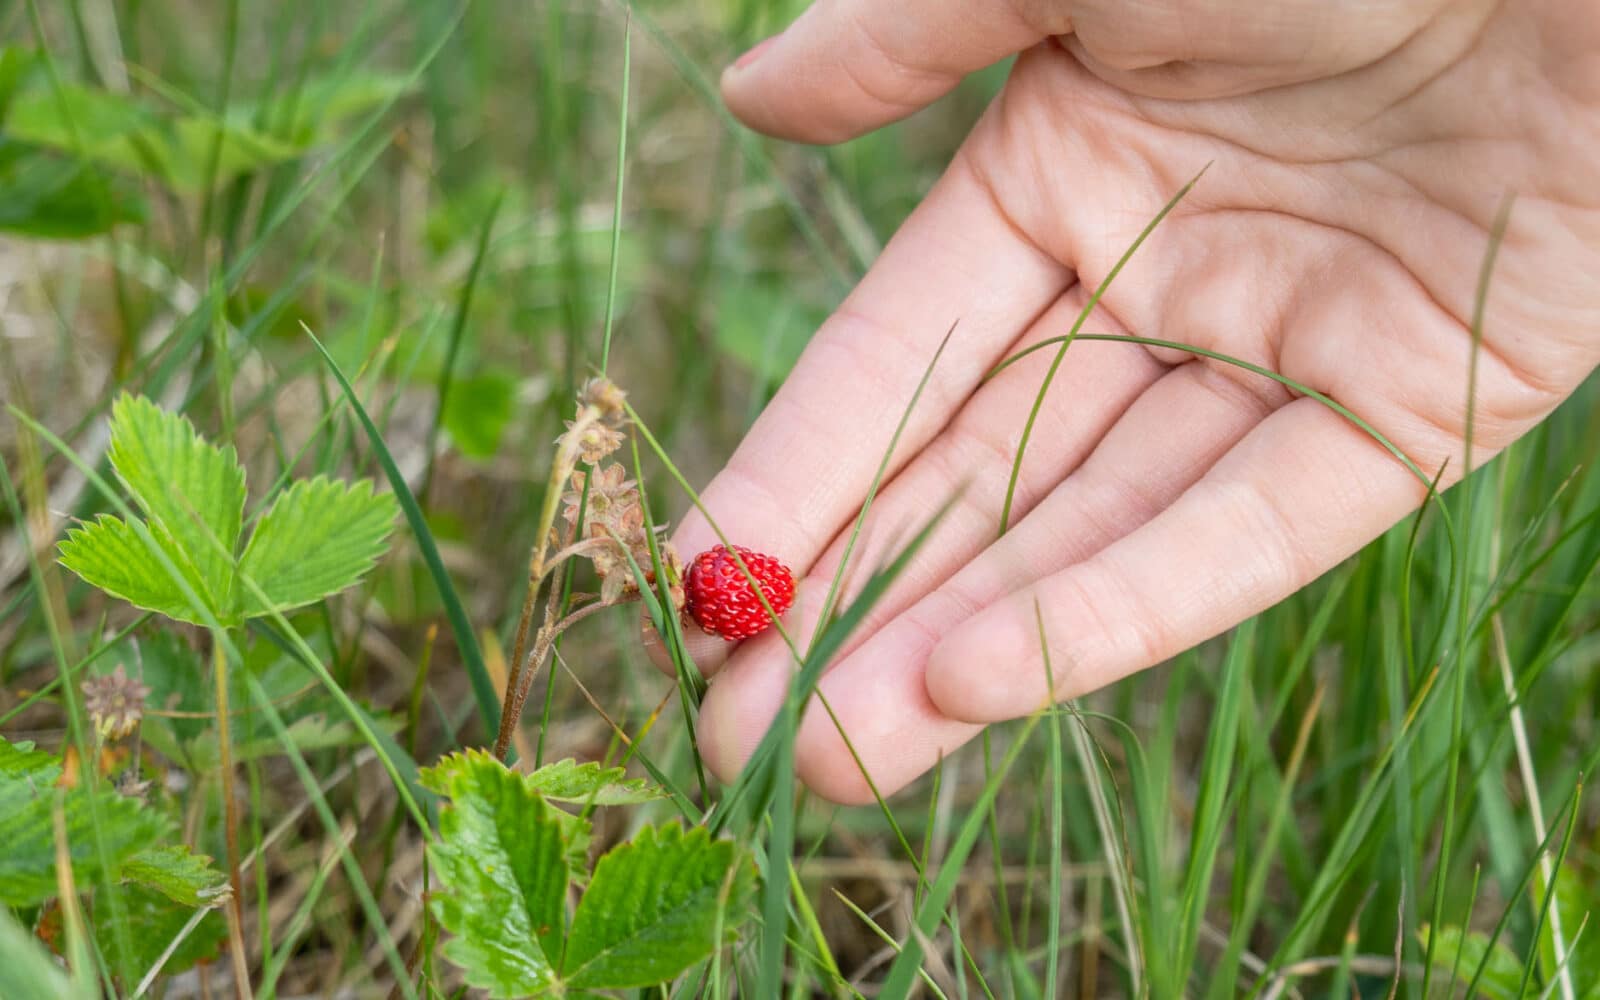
(805, 466)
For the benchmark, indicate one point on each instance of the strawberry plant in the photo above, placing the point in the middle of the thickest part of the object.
(511, 850)
(142, 883)
(183, 559)
(508, 856)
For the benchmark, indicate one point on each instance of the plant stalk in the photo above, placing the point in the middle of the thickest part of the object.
(230, 817)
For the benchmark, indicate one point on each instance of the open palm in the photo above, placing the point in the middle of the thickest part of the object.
(1359, 156)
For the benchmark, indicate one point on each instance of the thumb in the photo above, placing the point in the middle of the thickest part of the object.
(849, 66)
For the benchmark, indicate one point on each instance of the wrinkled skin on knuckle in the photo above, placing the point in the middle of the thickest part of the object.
(1186, 49)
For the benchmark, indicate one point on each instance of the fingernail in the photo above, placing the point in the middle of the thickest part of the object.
(750, 56)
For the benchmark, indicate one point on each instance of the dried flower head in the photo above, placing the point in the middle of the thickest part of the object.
(614, 529)
(595, 431)
(604, 396)
(609, 492)
(594, 440)
(115, 703)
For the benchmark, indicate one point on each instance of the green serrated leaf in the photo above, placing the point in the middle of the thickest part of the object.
(569, 781)
(653, 908)
(501, 862)
(125, 133)
(27, 830)
(15, 65)
(153, 920)
(26, 968)
(319, 537)
(1502, 977)
(21, 760)
(107, 554)
(192, 492)
(174, 872)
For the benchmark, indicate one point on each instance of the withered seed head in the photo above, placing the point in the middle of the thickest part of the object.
(606, 397)
(614, 521)
(115, 703)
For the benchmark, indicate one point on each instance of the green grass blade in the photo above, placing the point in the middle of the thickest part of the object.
(616, 207)
(903, 972)
(1066, 342)
(1463, 590)
(466, 639)
(1215, 780)
(458, 329)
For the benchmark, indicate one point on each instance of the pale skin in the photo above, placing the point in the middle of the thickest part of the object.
(1359, 153)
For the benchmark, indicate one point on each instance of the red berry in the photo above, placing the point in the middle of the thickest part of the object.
(721, 600)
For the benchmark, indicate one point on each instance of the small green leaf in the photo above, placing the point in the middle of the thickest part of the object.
(26, 968)
(28, 801)
(1574, 903)
(477, 411)
(319, 537)
(125, 133)
(109, 129)
(15, 65)
(569, 781)
(184, 878)
(21, 760)
(153, 920)
(49, 196)
(653, 907)
(312, 113)
(1502, 977)
(501, 862)
(192, 492)
(107, 554)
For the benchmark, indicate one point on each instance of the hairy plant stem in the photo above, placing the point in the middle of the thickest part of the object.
(566, 459)
(521, 674)
(521, 682)
(230, 819)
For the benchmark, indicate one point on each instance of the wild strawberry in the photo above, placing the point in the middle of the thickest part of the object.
(721, 600)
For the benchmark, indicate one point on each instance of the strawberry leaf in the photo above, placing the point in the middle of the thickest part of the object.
(108, 554)
(654, 907)
(152, 921)
(502, 864)
(103, 830)
(319, 537)
(21, 760)
(185, 878)
(191, 492)
(569, 781)
(1464, 951)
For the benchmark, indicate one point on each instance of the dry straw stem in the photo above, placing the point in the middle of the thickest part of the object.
(594, 433)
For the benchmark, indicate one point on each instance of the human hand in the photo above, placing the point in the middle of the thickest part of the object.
(1360, 152)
